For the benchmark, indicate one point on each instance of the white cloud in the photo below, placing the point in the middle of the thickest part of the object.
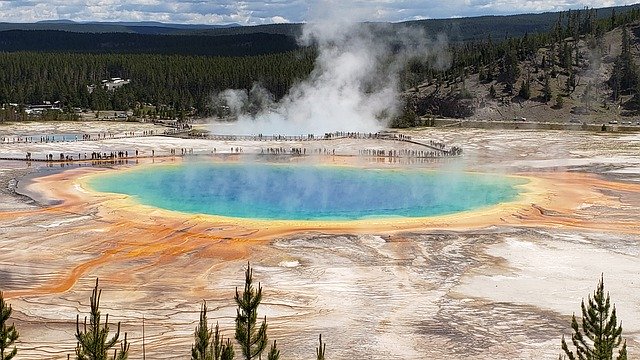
(251, 12)
(279, 20)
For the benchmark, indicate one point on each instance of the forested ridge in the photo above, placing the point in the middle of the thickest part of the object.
(184, 72)
(222, 45)
(585, 59)
(178, 81)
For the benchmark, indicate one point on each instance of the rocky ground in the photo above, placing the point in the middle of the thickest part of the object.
(506, 289)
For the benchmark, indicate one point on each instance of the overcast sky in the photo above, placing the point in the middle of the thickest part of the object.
(274, 11)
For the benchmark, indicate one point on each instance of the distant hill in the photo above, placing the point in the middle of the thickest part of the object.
(143, 27)
(157, 24)
(457, 29)
(118, 43)
(60, 21)
(294, 29)
(500, 27)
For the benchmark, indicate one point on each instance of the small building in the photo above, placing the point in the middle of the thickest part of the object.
(115, 83)
(35, 109)
(110, 84)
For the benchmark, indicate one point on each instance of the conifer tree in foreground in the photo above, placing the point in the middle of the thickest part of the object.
(274, 353)
(209, 344)
(218, 345)
(599, 334)
(203, 348)
(227, 351)
(8, 334)
(252, 339)
(320, 349)
(93, 340)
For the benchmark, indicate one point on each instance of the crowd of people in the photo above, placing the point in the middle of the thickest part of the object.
(409, 153)
(430, 149)
(354, 135)
(437, 144)
(74, 137)
(298, 151)
(258, 137)
(183, 151)
(283, 151)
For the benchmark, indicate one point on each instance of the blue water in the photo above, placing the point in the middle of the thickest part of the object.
(296, 192)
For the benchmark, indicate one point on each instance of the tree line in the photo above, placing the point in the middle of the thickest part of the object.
(597, 336)
(130, 43)
(183, 83)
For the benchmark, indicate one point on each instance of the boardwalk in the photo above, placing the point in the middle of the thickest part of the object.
(299, 145)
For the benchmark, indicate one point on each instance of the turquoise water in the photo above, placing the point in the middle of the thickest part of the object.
(295, 192)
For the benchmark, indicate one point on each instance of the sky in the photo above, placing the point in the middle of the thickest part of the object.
(275, 11)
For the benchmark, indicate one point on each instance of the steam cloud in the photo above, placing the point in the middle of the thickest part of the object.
(353, 87)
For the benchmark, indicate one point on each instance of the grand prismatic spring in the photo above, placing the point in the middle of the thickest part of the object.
(298, 192)
(527, 223)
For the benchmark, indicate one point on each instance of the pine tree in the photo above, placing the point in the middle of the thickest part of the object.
(8, 334)
(559, 101)
(599, 334)
(274, 353)
(482, 76)
(209, 344)
(320, 349)
(407, 117)
(92, 340)
(217, 344)
(227, 351)
(525, 89)
(203, 347)
(492, 92)
(570, 84)
(252, 340)
(510, 70)
(547, 94)
(624, 78)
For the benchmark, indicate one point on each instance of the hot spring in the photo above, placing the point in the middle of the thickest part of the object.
(300, 192)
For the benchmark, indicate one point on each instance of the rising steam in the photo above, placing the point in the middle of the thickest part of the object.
(353, 87)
